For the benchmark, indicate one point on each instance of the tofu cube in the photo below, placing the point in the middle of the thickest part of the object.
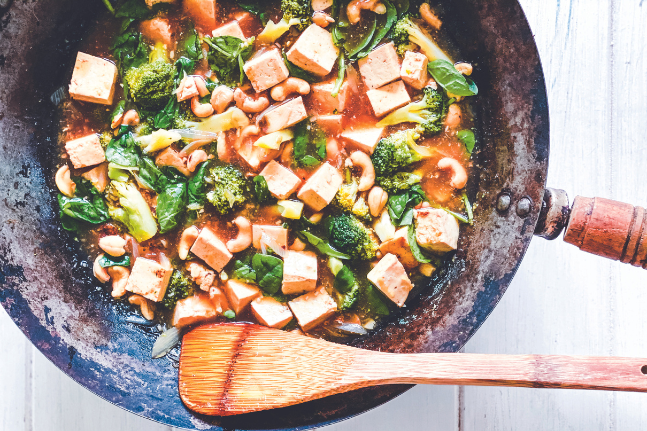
(388, 98)
(277, 233)
(98, 176)
(192, 310)
(270, 312)
(281, 182)
(240, 295)
(330, 123)
(321, 4)
(266, 70)
(314, 51)
(436, 230)
(171, 157)
(232, 28)
(158, 30)
(365, 139)
(151, 3)
(323, 101)
(203, 12)
(149, 279)
(399, 245)
(414, 69)
(93, 79)
(85, 151)
(209, 248)
(218, 300)
(285, 115)
(380, 67)
(321, 187)
(312, 309)
(299, 272)
(391, 278)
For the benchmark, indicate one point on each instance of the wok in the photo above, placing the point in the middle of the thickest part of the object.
(46, 282)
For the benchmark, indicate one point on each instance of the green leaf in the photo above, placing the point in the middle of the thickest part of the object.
(150, 175)
(108, 261)
(243, 271)
(451, 79)
(402, 7)
(384, 23)
(123, 151)
(227, 56)
(401, 205)
(413, 245)
(87, 206)
(322, 245)
(269, 272)
(171, 202)
(309, 144)
(261, 190)
(468, 208)
(468, 139)
(346, 284)
(193, 46)
(357, 42)
(118, 111)
(129, 50)
(374, 301)
(341, 74)
(229, 314)
(297, 72)
(197, 187)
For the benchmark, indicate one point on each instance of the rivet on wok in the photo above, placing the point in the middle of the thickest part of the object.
(524, 206)
(503, 202)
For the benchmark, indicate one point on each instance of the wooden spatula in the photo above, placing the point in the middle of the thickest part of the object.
(229, 369)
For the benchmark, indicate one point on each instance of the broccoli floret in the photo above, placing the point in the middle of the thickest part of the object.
(360, 209)
(127, 205)
(397, 151)
(105, 138)
(429, 113)
(299, 9)
(406, 31)
(349, 235)
(151, 85)
(230, 188)
(346, 200)
(348, 299)
(179, 287)
(399, 182)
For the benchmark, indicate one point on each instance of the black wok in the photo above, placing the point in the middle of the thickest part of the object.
(46, 282)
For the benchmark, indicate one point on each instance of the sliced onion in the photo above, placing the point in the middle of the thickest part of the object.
(350, 328)
(164, 261)
(195, 134)
(276, 248)
(135, 247)
(165, 342)
(194, 146)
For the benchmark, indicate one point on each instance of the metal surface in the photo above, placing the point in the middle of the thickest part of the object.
(45, 279)
(554, 214)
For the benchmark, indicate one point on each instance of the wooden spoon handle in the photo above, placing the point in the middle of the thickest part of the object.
(536, 371)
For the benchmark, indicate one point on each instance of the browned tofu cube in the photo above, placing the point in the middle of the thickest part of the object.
(312, 309)
(321, 187)
(149, 279)
(364, 139)
(391, 278)
(203, 12)
(399, 245)
(266, 70)
(278, 234)
(436, 230)
(240, 295)
(299, 272)
(414, 69)
(158, 30)
(192, 310)
(323, 101)
(314, 51)
(388, 98)
(281, 182)
(285, 115)
(232, 29)
(85, 151)
(330, 123)
(171, 157)
(270, 312)
(209, 248)
(380, 67)
(98, 176)
(93, 79)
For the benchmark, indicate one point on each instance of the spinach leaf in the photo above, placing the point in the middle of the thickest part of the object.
(341, 74)
(150, 175)
(413, 245)
(119, 111)
(451, 79)
(243, 271)
(468, 208)
(374, 301)
(193, 46)
(321, 245)
(86, 206)
(133, 9)
(261, 190)
(402, 7)
(129, 50)
(297, 72)
(309, 144)
(354, 45)
(171, 202)
(468, 139)
(197, 188)
(123, 150)
(227, 56)
(269, 272)
(257, 7)
(107, 261)
(390, 18)
(346, 284)
(166, 117)
(401, 205)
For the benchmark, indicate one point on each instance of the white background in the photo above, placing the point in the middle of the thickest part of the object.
(561, 302)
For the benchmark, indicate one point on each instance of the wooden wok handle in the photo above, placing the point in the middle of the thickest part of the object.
(610, 229)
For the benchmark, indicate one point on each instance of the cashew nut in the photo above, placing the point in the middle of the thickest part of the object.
(298, 245)
(281, 91)
(454, 116)
(459, 174)
(464, 68)
(63, 181)
(427, 269)
(221, 97)
(187, 239)
(201, 110)
(99, 271)
(367, 179)
(195, 158)
(119, 275)
(114, 245)
(355, 7)
(377, 199)
(244, 238)
(316, 217)
(250, 130)
(147, 309)
(130, 118)
(429, 17)
(286, 154)
(249, 104)
(322, 19)
(201, 86)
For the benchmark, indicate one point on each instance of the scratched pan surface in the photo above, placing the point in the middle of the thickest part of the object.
(45, 279)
